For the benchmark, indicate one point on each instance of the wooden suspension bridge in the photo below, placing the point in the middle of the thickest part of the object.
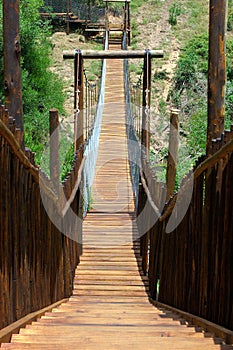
(127, 284)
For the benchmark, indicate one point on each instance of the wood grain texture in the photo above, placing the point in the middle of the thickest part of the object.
(109, 308)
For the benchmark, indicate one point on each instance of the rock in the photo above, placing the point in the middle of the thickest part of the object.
(81, 39)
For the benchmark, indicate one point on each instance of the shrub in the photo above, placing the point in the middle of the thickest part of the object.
(42, 89)
(174, 12)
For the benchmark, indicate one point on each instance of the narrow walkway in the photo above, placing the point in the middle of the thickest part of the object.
(109, 308)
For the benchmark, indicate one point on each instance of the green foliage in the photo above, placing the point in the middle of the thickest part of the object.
(135, 68)
(229, 85)
(162, 106)
(42, 89)
(189, 89)
(191, 74)
(185, 75)
(229, 54)
(145, 21)
(196, 138)
(135, 32)
(193, 59)
(134, 6)
(230, 16)
(66, 153)
(174, 12)
(160, 75)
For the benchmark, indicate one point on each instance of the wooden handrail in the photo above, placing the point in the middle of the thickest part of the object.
(206, 164)
(153, 205)
(76, 186)
(15, 147)
(34, 171)
(209, 162)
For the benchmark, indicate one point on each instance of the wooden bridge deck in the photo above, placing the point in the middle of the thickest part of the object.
(109, 308)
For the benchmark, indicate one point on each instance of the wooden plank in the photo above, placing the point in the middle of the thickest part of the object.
(107, 344)
(219, 331)
(6, 333)
(110, 305)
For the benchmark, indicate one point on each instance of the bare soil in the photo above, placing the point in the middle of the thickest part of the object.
(155, 33)
(65, 68)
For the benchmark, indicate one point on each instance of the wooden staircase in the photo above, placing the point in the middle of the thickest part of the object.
(109, 308)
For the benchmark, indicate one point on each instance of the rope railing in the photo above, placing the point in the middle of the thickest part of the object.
(134, 150)
(90, 100)
(136, 104)
(91, 147)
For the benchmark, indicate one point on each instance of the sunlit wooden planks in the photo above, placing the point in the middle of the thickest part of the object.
(109, 308)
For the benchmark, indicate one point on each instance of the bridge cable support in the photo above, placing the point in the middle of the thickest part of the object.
(78, 98)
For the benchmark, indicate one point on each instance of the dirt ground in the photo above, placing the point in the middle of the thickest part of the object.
(65, 68)
(155, 34)
(158, 34)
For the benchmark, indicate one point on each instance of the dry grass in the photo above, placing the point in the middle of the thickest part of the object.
(65, 68)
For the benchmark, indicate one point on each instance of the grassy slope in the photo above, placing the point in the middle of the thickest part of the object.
(151, 28)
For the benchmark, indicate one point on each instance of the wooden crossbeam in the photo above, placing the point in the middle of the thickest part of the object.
(113, 54)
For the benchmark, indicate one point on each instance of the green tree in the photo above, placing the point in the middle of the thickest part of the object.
(42, 89)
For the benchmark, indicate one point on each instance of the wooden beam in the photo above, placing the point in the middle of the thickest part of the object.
(12, 69)
(216, 71)
(146, 93)
(54, 148)
(78, 100)
(172, 154)
(113, 54)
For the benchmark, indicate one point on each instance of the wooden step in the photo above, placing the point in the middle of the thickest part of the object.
(109, 308)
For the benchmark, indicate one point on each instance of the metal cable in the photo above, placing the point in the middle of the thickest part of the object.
(133, 144)
(91, 147)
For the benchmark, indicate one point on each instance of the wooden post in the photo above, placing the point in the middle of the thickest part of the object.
(78, 100)
(67, 17)
(54, 148)
(125, 16)
(89, 10)
(106, 17)
(172, 154)
(128, 22)
(145, 139)
(12, 70)
(217, 71)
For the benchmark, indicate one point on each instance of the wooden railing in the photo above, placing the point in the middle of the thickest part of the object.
(189, 268)
(37, 260)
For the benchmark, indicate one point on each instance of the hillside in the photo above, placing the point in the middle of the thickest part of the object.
(167, 25)
(180, 28)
